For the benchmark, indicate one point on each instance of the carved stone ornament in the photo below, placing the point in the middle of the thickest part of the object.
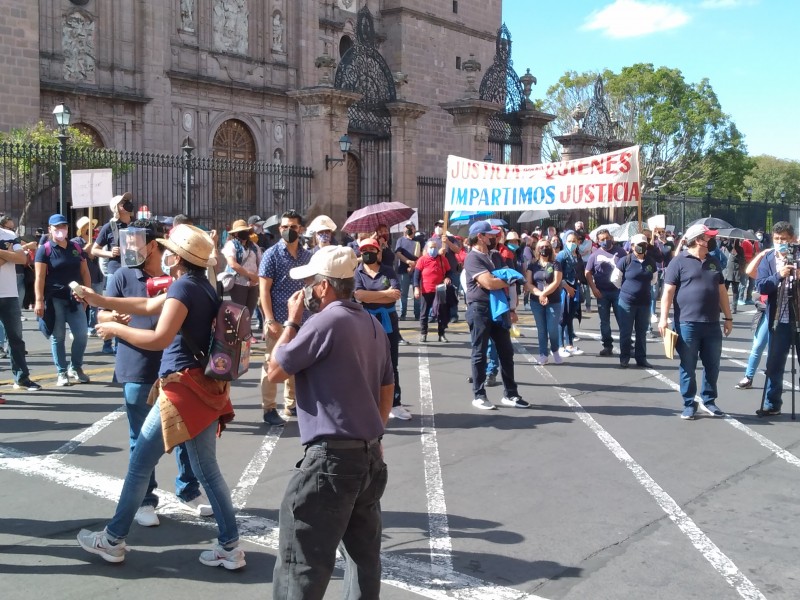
(348, 5)
(230, 21)
(277, 32)
(78, 40)
(188, 121)
(187, 15)
(278, 132)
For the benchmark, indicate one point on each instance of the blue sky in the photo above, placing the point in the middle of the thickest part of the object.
(748, 49)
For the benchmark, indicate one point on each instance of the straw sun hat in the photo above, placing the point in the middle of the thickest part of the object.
(240, 225)
(190, 243)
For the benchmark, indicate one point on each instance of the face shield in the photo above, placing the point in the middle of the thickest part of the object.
(133, 247)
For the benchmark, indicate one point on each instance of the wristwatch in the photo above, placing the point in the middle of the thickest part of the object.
(291, 324)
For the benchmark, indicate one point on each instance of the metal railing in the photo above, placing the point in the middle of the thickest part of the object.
(220, 190)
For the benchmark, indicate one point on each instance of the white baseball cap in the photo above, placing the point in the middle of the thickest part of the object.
(339, 262)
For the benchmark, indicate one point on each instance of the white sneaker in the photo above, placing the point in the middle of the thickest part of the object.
(543, 360)
(97, 542)
(575, 338)
(230, 559)
(399, 412)
(146, 516)
(557, 358)
(63, 379)
(654, 318)
(483, 404)
(563, 352)
(200, 506)
(576, 351)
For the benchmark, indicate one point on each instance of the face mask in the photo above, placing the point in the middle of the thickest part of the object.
(165, 268)
(605, 244)
(127, 206)
(409, 232)
(712, 244)
(512, 247)
(783, 247)
(369, 258)
(759, 237)
(491, 243)
(545, 252)
(640, 248)
(289, 236)
(59, 235)
(438, 231)
(324, 238)
(432, 252)
(311, 302)
(243, 235)
(571, 246)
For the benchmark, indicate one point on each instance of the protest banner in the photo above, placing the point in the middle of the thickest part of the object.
(608, 180)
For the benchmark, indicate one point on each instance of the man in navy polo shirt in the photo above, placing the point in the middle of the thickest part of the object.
(275, 289)
(342, 364)
(137, 369)
(694, 281)
(482, 325)
(407, 250)
(638, 270)
(598, 275)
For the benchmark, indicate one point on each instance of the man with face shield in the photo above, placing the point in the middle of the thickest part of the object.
(137, 369)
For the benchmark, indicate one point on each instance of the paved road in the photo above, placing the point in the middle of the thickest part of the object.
(598, 491)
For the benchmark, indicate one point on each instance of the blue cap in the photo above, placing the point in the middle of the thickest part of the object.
(57, 220)
(484, 227)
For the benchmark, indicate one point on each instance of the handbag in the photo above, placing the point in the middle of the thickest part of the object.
(226, 280)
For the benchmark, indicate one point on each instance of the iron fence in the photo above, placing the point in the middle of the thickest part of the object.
(219, 190)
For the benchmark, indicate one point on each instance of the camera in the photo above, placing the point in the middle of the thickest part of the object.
(793, 253)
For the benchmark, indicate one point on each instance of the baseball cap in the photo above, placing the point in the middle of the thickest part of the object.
(255, 220)
(338, 262)
(117, 199)
(696, 230)
(440, 222)
(639, 238)
(368, 243)
(57, 220)
(480, 227)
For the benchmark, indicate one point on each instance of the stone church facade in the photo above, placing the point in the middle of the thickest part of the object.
(273, 81)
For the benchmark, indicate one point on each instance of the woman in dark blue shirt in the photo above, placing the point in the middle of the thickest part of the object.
(638, 270)
(543, 281)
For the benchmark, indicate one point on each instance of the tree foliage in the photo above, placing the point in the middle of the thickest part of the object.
(771, 176)
(685, 136)
(30, 158)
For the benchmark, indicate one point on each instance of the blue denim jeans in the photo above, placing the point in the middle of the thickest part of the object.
(482, 328)
(21, 289)
(633, 318)
(492, 359)
(605, 305)
(547, 327)
(759, 345)
(68, 312)
(780, 342)
(146, 454)
(405, 285)
(186, 485)
(703, 340)
(11, 322)
(332, 500)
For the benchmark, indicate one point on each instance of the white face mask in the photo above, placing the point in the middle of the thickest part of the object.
(59, 235)
(438, 231)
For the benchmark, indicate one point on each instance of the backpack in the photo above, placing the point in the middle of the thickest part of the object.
(228, 354)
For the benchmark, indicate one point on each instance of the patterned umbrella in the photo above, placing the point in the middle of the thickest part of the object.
(367, 219)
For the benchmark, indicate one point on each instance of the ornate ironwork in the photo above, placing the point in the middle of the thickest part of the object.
(502, 85)
(363, 70)
(598, 121)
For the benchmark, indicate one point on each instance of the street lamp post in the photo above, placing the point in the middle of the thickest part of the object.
(188, 148)
(657, 184)
(783, 197)
(709, 189)
(62, 114)
(749, 193)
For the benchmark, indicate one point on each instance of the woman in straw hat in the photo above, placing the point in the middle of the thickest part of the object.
(188, 406)
(243, 257)
(322, 228)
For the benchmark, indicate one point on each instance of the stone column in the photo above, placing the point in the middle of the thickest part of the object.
(323, 120)
(470, 120)
(576, 144)
(533, 124)
(404, 117)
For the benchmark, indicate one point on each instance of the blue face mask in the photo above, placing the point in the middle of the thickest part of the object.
(605, 244)
(783, 247)
(571, 246)
(512, 247)
(432, 252)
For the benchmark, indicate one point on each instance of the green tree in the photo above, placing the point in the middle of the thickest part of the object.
(685, 137)
(771, 176)
(30, 156)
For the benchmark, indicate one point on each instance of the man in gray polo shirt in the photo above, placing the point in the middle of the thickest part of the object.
(344, 385)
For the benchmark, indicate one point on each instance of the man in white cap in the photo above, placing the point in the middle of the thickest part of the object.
(694, 281)
(342, 365)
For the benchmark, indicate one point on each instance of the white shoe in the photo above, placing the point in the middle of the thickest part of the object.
(563, 352)
(200, 506)
(219, 557)
(63, 380)
(576, 351)
(146, 516)
(575, 338)
(654, 318)
(557, 358)
(543, 360)
(483, 404)
(399, 412)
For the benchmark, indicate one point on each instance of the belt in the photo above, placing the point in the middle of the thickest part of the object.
(341, 444)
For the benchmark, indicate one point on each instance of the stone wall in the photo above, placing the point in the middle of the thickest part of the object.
(19, 63)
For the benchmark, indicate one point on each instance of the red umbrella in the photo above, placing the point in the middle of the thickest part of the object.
(367, 219)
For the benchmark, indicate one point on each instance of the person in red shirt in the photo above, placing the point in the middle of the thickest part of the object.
(431, 270)
(750, 248)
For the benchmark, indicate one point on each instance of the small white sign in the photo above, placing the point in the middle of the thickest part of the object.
(91, 187)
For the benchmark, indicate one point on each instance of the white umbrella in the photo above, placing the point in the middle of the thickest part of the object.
(612, 229)
(533, 215)
(626, 231)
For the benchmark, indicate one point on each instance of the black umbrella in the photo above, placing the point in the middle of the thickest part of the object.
(712, 223)
(734, 233)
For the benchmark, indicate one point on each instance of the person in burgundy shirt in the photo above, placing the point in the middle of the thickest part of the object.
(431, 270)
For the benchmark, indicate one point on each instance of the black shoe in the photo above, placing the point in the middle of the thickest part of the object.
(271, 417)
(423, 339)
(623, 363)
(643, 364)
(443, 338)
(773, 412)
(27, 384)
(606, 351)
(745, 384)
(491, 380)
(469, 379)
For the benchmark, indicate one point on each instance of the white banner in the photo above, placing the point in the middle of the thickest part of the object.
(601, 181)
(91, 187)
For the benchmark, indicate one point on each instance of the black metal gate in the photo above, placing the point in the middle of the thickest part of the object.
(363, 70)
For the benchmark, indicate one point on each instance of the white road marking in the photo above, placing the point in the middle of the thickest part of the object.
(254, 468)
(721, 563)
(398, 571)
(438, 525)
(88, 433)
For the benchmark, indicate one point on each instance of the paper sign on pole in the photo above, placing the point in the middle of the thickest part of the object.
(91, 187)
(608, 180)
